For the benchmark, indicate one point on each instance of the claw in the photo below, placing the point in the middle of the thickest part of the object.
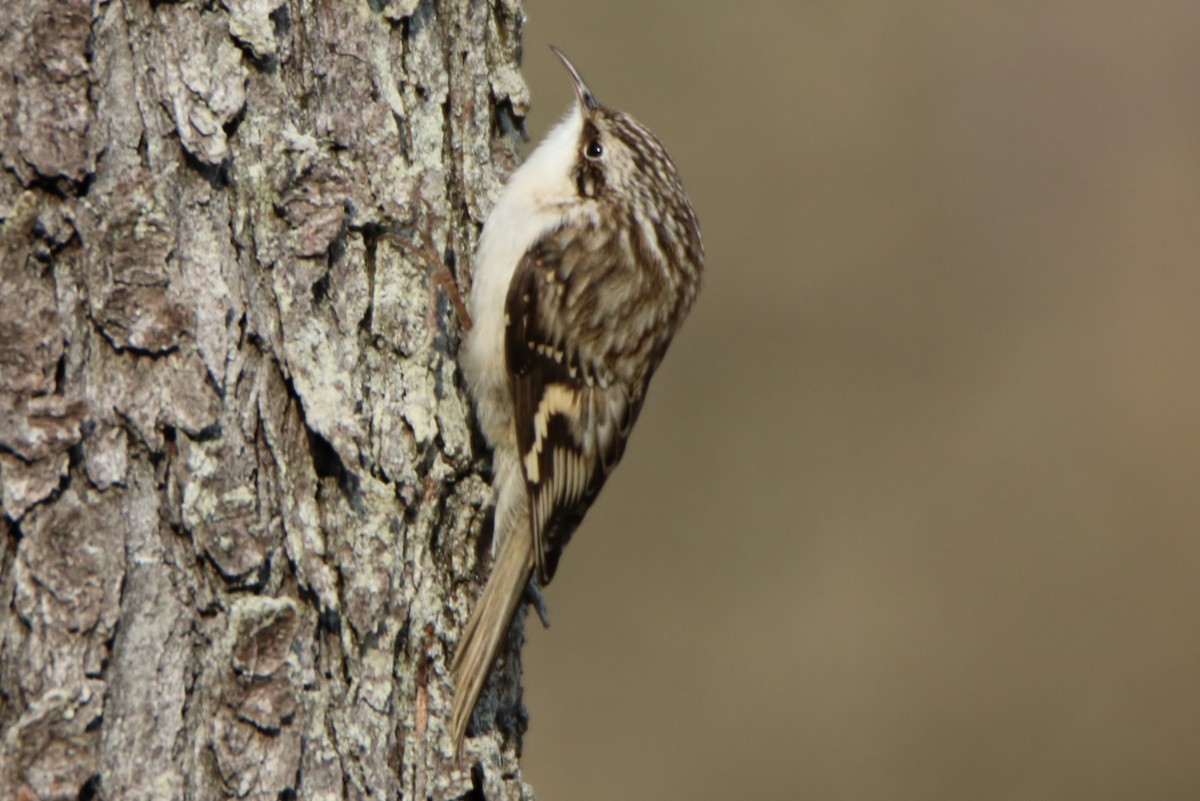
(533, 595)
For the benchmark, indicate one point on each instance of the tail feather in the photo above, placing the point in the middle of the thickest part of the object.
(485, 631)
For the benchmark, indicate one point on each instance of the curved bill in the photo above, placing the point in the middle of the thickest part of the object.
(586, 99)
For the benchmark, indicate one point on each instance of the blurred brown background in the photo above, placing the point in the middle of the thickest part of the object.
(913, 511)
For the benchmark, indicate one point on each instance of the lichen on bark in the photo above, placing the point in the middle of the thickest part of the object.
(242, 502)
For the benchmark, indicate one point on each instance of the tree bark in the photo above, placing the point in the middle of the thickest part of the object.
(244, 516)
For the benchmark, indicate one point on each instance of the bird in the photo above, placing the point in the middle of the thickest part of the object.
(584, 271)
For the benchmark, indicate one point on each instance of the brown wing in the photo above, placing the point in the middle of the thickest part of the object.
(572, 417)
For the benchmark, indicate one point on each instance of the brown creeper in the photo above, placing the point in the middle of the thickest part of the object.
(585, 270)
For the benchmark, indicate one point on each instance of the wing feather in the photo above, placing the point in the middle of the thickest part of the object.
(571, 425)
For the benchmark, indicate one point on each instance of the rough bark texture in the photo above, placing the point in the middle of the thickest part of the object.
(242, 507)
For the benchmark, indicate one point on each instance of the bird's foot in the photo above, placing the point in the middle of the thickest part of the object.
(533, 595)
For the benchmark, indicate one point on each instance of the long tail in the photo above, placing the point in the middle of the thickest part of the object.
(485, 631)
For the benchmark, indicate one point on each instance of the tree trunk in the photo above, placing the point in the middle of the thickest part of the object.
(244, 518)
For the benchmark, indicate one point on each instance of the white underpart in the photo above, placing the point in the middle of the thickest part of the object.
(531, 203)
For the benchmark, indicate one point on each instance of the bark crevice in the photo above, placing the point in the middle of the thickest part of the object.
(241, 492)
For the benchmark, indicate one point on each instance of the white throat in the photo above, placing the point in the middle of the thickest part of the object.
(531, 204)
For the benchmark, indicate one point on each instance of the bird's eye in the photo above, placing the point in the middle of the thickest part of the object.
(593, 150)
